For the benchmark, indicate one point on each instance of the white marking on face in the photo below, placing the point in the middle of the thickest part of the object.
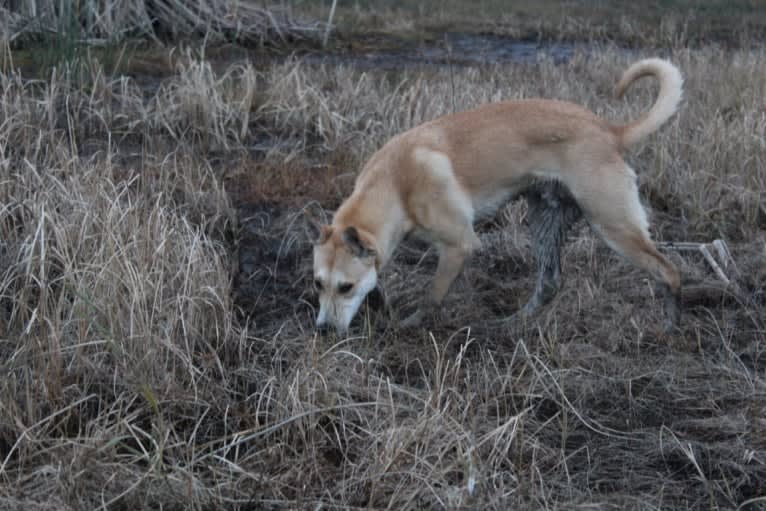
(321, 275)
(338, 309)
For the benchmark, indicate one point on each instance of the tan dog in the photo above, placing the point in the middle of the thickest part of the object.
(439, 176)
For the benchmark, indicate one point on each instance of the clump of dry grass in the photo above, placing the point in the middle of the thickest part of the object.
(157, 343)
(113, 20)
(205, 108)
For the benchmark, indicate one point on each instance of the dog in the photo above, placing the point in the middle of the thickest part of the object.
(437, 178)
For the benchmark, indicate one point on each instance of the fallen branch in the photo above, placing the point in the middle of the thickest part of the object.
(719, 248)
(713, 263)
(329, 24)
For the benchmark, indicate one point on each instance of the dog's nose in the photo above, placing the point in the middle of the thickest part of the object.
(323, 329)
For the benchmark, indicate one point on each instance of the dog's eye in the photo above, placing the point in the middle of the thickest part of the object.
(318, 284)
(345, 287)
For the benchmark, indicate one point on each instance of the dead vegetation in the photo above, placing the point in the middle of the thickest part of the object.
(678, 23)
(156, 315)
(103, 21)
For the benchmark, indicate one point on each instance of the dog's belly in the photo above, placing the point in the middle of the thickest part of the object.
(488, 203)
(489, 199)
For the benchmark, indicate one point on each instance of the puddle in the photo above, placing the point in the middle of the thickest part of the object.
(455, 48)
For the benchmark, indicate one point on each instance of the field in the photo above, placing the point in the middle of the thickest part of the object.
(156, 307)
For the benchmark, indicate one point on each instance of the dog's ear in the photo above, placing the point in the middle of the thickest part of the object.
(315, 223)
(360, 244)
(319, 232)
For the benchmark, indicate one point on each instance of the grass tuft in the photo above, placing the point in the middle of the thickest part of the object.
(100, 21)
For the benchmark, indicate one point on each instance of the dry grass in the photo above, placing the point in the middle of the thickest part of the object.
(656, 23)
(156, 324)
(115, 20)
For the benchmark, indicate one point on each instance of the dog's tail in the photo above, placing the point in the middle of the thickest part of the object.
(671, 89)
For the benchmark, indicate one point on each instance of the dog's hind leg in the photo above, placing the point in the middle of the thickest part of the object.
(636, 246)
(552, 212)
(614, 211)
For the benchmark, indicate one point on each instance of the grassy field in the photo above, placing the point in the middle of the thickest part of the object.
(655, 22)
(156, 308)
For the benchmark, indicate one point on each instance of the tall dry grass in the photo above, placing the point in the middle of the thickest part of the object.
(132, 378)
(115, 20)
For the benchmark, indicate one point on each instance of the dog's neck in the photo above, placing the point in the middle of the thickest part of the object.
(378, 213)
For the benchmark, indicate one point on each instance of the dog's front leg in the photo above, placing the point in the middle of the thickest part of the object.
(451, 261)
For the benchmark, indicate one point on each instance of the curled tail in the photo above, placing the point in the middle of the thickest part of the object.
(671, 89)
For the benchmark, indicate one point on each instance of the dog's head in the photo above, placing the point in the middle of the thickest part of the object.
(345, 271)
